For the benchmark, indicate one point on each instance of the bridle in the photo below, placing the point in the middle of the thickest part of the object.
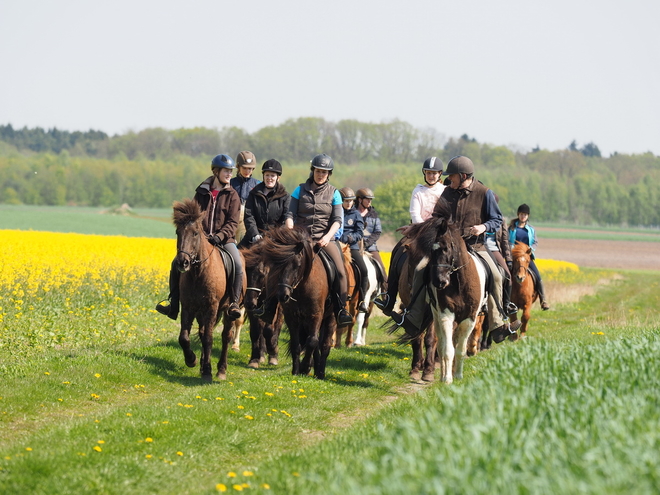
(452, 267)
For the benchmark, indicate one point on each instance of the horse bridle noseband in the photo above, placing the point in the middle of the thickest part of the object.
(452, 268)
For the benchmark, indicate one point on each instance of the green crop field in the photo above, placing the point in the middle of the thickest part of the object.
(95, 398)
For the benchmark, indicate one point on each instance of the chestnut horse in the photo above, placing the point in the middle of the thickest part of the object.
(523, 292)
(455, 287)
(297, 276)
(203, 286)
(264, 336)
(352, 301)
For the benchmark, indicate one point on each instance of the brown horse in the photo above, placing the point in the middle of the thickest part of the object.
(297, 277)
(203, 286)
(352, 300)
(523, 293)
(264, 336)
(455, 289)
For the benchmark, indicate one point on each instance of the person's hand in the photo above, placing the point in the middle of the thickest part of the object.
(349, 239)
(477, 230)
(256, 238)
(216, 240)
(323, 241)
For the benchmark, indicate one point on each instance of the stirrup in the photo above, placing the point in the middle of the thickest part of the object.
(234, 311)
(362, 307)
(511, 308)
(344, 318)
(399, 316)
(382, 300)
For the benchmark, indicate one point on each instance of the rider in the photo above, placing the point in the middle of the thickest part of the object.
(520, 230)
(499, 248)
(221, 205)
(316, 206)
(243, 183)
(423, 200)
(475, 212)
(352, 235)
(372, 225)
(267, 204)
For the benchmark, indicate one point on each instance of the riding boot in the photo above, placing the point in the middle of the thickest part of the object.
(539, 288)
(362, 307)
(509, 306)
(170, 308)
(234, 310)
(343, 317)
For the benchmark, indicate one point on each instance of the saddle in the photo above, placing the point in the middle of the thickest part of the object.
(490, 280)
(380, 271)
(329, 265)
(228, 261)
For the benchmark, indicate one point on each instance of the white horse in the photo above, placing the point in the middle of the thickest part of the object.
(362, 320)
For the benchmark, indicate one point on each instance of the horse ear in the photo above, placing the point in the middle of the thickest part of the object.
(299, 247)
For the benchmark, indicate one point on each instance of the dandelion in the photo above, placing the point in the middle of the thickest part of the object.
(296, 474)
(241, 407)
(265, 486)
(231, 474)
(29, 449)
(97, 375)
(46, 372)
(148, 439)
(148, 456)
(238, 488)
(221, 487)
(97, 448)
(101, 441)
(248, 417)
(248, 473)
(179, 453)
(269, 394)
(129, 414)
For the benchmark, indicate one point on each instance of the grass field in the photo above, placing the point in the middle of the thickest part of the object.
(95, 396)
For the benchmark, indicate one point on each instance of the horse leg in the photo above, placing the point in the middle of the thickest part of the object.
(358, 338)
(445, 329)
(272, 336)
(430, 343)
(294, 348)
(322, 350)
(206, 338)
(227, 335)
(236, 341)
(256, 336)
(527, 314)
(184, 338)
(311, 345)
(464, 331)
(417, 358)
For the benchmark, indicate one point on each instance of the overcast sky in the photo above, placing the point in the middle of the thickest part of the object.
(517, 73)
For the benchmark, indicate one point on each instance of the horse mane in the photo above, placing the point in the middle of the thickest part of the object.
(425, 234)
(279, 245)
(185, 212)
(519, 249)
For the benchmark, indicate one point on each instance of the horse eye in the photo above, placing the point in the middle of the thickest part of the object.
(195, 234)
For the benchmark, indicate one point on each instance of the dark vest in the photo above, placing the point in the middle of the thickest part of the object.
(315, 208)
(467, 208)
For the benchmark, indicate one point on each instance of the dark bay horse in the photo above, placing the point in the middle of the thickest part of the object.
(203, 286)
(264, 336)
(297, 277)
(455, 287)
(523, 292)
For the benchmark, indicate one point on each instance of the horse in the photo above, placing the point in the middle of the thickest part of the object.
(523, 292)
(238, 325)
(264, 336)
(204, 288)
(352, 301)
(455, 287)
(297, 276)
(362, 319)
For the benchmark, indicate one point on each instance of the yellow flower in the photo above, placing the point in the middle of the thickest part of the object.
(238, 488)
(221, 487)
(248, 473)
(248, 417)
(148, 456)
(265, 486)
(46, 373)
(101, 441)
(97, 448)
(29, 449)
(129, 414)
(97, 375)
(231, 474)
(148, 439)
(179, 453)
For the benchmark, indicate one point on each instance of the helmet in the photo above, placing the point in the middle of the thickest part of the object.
(272, 165)
(434, 163)
(347, 193)
(323, 162)
(222, 161)
(459, 165)
(523, 208)
(246, 158)
(366, 193)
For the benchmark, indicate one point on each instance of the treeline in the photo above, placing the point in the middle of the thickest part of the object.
(574, 185)
(296, 140)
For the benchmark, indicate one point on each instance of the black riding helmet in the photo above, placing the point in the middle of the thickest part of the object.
(272, 165)
(523, 208)
(323, 162)
(431, 164)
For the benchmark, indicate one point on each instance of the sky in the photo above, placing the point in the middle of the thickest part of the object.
(516, 73)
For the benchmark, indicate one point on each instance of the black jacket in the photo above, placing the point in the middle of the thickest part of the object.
(264, 211)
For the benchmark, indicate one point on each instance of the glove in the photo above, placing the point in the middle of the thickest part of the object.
(349, 239)
(256, 238)
(216, 240)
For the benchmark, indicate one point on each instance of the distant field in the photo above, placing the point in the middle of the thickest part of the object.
(146, 222)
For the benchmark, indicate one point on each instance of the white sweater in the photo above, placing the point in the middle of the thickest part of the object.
(423, 201)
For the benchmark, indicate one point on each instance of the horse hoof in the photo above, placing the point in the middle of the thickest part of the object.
(191, 363)
(273, 361)
(262, 360)
(221, 376)
(235, 348)
(415, 376)
(428, 377)
(254, 364)
(207, 378)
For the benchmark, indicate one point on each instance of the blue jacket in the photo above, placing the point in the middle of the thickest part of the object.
(372, 229)
(353, 228)
(243, 186)
(530, 232)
